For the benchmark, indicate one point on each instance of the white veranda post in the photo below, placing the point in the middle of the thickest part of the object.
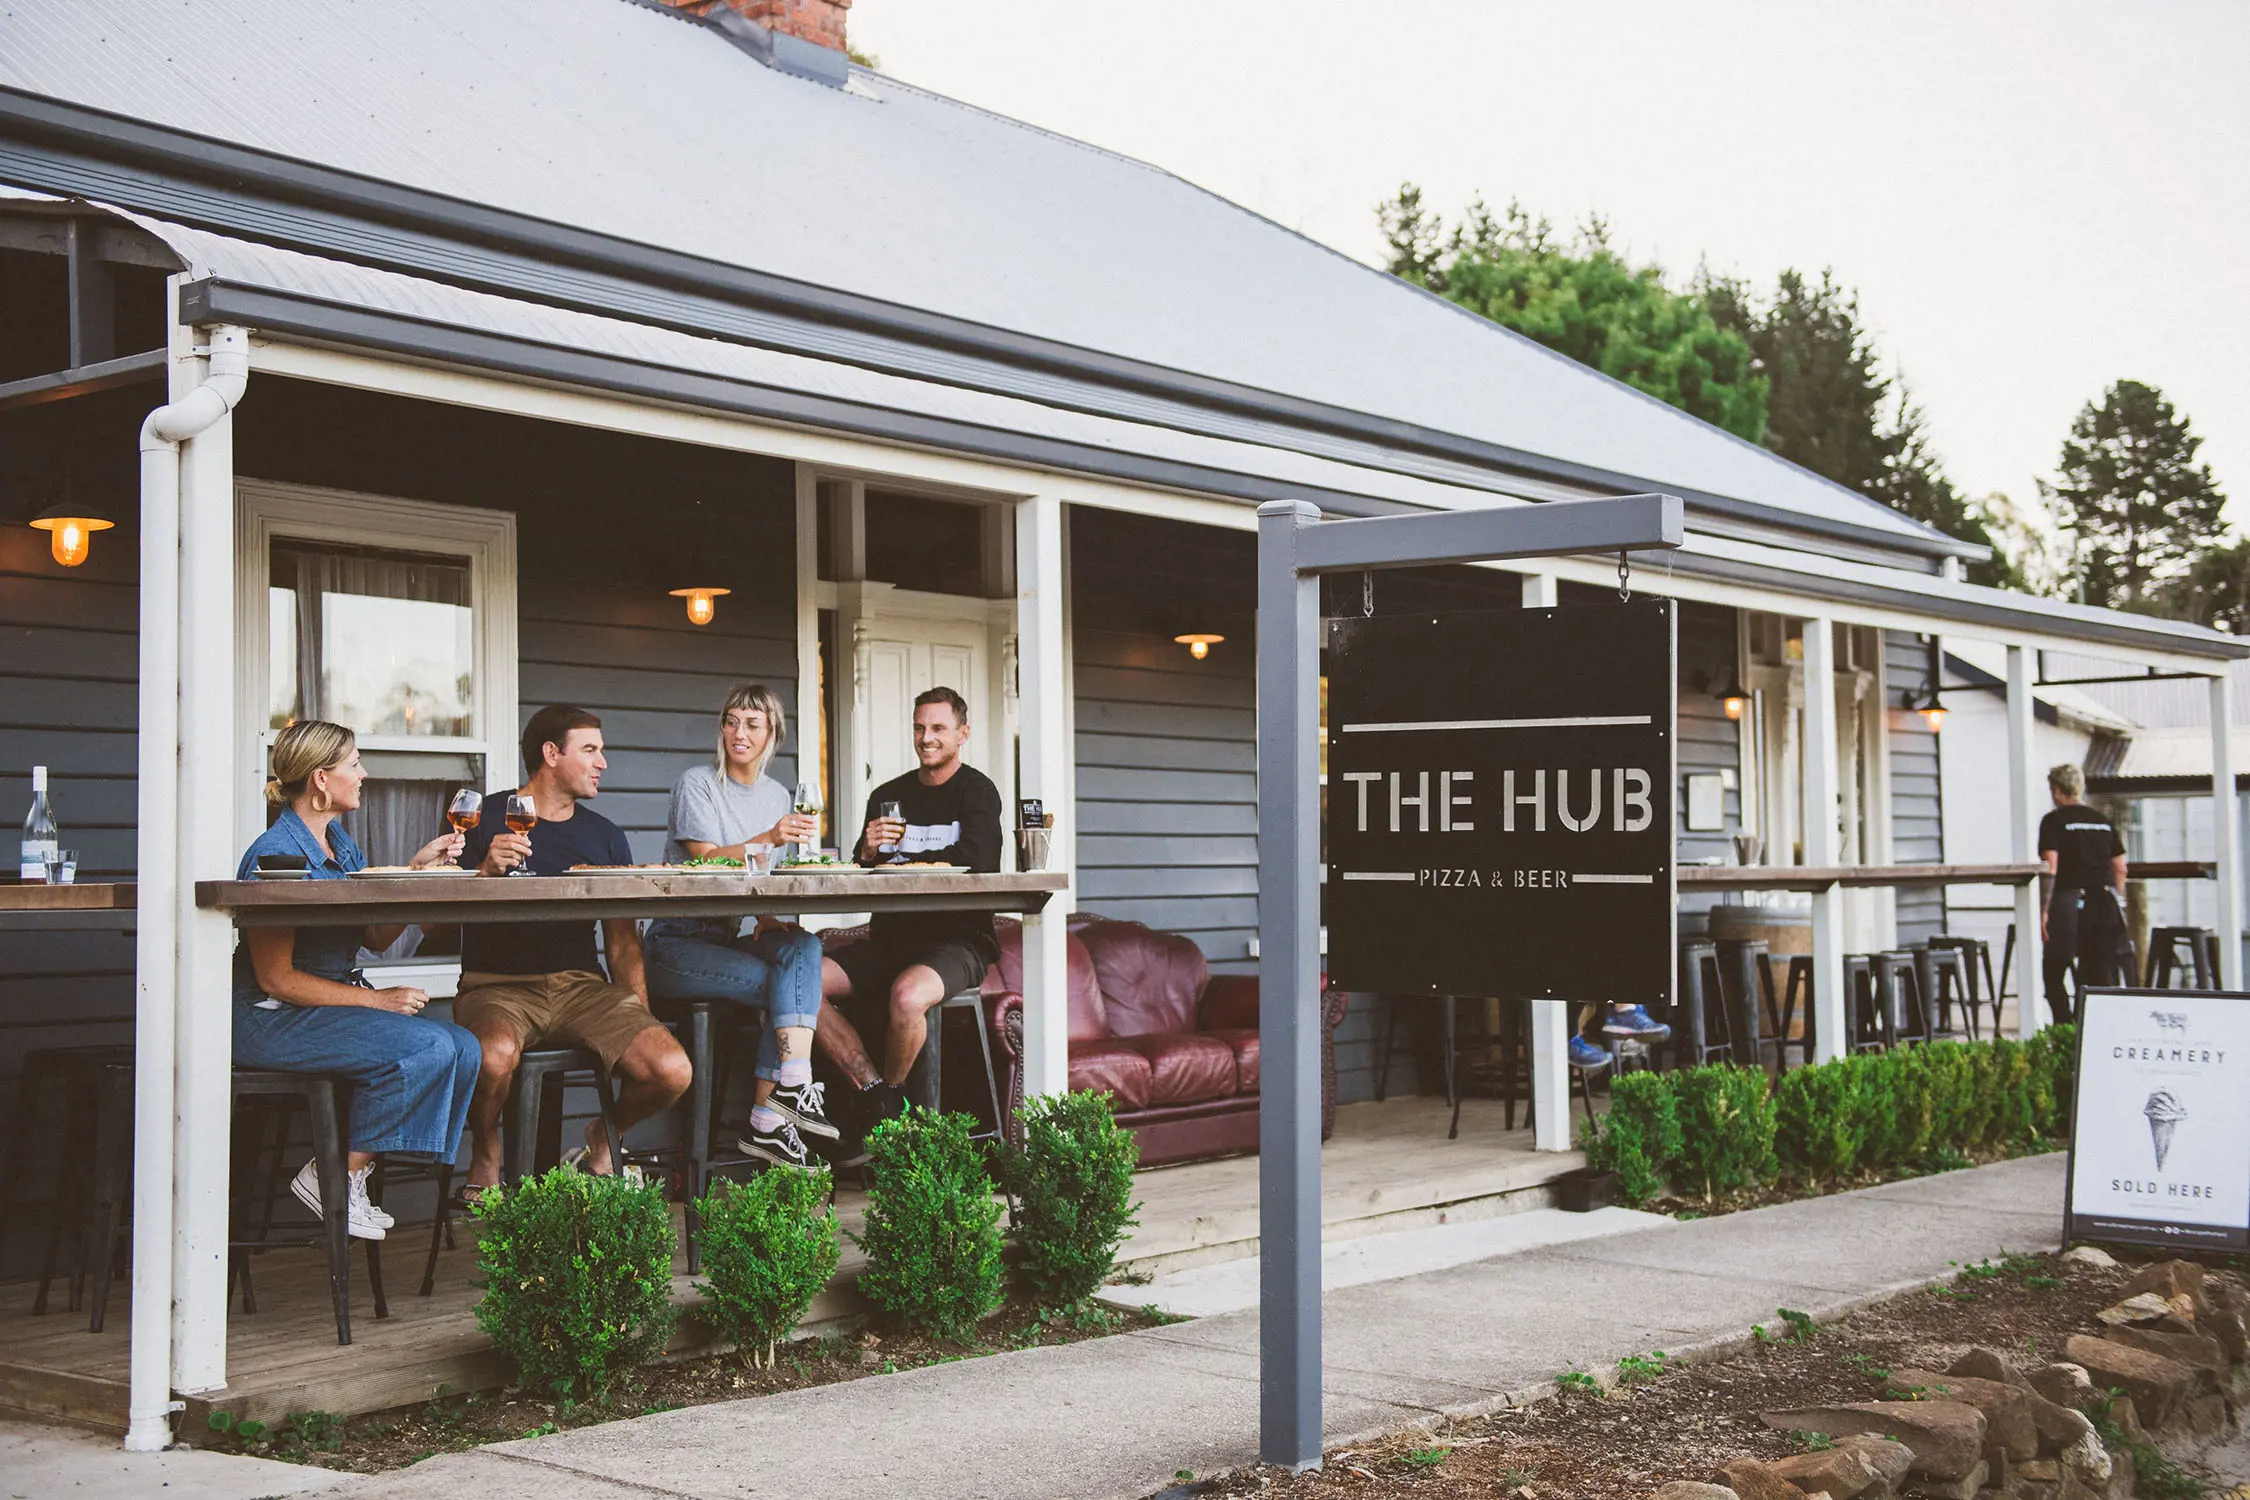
(1550, 1019)
(2026, 788)
(2226, 847)
(1045, 756)
(1823, 838)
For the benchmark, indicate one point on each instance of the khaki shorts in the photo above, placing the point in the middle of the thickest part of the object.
(575, 1009)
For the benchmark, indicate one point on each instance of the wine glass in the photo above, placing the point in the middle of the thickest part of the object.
(523, 816)
(465, 810)
(807, 801)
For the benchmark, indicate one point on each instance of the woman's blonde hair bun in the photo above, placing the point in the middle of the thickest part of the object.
(305, 747)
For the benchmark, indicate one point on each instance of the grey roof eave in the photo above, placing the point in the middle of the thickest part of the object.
(320, 321)
(58, 146)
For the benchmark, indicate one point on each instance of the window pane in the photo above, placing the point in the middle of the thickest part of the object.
(281, 655)
(384, 641)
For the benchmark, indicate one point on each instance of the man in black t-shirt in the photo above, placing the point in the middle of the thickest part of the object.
(948, 813)
(2083, 919)
(534, 984)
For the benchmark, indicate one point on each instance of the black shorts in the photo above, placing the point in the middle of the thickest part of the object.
(871, 967)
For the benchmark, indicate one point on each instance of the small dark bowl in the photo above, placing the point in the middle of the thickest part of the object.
(281, 862)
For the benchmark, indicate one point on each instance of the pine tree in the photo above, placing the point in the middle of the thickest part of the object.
(2142, 510)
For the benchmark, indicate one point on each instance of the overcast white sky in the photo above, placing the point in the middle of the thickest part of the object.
(2033, 200)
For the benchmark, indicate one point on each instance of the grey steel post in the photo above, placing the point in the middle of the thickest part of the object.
(1294, 547)
(1288, 979)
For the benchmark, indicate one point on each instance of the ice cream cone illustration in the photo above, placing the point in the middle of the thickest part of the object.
(2164, 1116)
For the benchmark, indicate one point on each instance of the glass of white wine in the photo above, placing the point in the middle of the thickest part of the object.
(807, 801)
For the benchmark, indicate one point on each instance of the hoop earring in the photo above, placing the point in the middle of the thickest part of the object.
(319, 799)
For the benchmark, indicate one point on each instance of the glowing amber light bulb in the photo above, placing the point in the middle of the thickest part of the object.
(700, 609)
(1735, 706)
(1199, 644)
(1934, 716)
(70, 538)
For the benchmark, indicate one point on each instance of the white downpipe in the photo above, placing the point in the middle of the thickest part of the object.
(1550, 1019)
(155, 1012)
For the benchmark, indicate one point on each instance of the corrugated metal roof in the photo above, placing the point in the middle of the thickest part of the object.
(2161, 755)
(619, 119)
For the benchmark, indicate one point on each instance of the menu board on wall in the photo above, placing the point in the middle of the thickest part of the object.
(2160, 1120)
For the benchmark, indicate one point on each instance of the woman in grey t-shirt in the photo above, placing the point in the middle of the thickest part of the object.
(719, 810)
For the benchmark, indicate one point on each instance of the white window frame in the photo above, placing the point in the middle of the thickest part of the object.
(267, 511)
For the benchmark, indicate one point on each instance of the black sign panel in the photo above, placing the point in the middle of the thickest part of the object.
(1500, 803)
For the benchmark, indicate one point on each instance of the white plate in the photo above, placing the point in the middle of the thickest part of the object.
(437, 872)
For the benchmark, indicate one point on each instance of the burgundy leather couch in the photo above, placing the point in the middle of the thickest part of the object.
(1175, 1046)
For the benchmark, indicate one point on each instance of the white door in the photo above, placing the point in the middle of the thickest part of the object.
(904, 644)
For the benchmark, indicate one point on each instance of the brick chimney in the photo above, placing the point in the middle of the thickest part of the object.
(820, 22)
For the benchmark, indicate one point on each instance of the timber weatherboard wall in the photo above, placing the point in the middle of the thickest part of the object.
(1917, 816)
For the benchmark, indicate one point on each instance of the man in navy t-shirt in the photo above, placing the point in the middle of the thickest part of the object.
(536, 984)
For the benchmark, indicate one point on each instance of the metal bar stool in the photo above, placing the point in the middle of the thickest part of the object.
(531, 1126)
(1946, 978)
(1978, 985)
(1748, 964)
(1867, 1021)
(96, 1147)
(1392, 1004)
(1898, 988)
(1800, 982)
(2177, 954)
(1513, 1066)
(327, 1100)
(1710, 1031)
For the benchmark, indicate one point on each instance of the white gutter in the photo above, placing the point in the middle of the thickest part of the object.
(155, 1008)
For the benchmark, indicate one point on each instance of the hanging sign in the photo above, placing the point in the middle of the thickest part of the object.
(1500, 803)
(2160, 1120)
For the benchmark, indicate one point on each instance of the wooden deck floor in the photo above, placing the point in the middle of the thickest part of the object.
(1387, 1166)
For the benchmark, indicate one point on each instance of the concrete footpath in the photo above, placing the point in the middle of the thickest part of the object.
(1114, 1418)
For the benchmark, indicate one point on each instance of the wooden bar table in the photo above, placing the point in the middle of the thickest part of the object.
(377, 900)
(1851, 877)
(39, 898)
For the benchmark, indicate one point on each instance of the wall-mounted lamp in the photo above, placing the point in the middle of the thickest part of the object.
(700, 609)
(1734, 697)
(70, 529)
(1928, 706)
(1199, 643)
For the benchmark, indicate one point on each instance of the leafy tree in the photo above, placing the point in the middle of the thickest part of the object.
(1826, 410)
(1584, 300)
(2142, 510)
(2216, 589)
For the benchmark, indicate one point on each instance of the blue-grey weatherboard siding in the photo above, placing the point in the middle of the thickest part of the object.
(1917, 820)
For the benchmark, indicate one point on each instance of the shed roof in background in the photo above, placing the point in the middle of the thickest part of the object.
(637, 124)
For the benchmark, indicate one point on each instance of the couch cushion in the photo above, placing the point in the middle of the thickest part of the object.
(1243, 1041)
(1185, 1067)
(1087, 1020)
(1107, 1066)
(1150, 981)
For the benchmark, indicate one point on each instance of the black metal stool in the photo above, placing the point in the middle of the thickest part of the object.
(1513, 1064)
(1978, 985)
(1867, 1022)
(1747, 963)
(2183, 953)
(93, 1168)
(1799, 983)
(1392, 1004)
(327, 1101)
(1898, 988)
(923, 1084)
(1703, 1006)
(702, 1025)
(1945, 977)
(531, 1126)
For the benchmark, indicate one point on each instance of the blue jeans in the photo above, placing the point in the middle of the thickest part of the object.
(778, 974)
(414, 1074)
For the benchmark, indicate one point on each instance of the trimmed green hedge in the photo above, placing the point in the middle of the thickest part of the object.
(1717, 1129)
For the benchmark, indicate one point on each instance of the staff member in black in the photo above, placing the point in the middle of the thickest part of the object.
(2084, 918)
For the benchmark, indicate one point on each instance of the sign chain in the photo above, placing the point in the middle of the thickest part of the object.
(1367, 594)
(1624, 577)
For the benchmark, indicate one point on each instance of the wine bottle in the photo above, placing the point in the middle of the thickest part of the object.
(39, 840)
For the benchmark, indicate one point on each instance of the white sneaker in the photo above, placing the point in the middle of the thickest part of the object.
(364, 1205)
(358, 1223)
